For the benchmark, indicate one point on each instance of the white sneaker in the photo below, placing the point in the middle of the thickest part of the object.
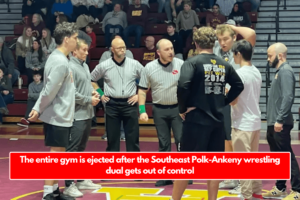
(96, 21)
(236, 190)
(87, 185)
(228, 184)
(72, 191)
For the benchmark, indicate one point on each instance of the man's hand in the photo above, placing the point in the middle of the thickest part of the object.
(9, 75)
(278, 127)
(174, 13)
(226, 91)
(95, 94)
(33, 116)
(132, 100)
(144, 117)
(234, 102)
(188, 110)
(105, 99)
(95, 100)
(5, 92)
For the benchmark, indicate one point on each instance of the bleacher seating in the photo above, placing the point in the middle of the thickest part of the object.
(18, 109)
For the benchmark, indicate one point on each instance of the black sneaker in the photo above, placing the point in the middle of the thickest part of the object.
(49, 197)
(62, 196)
(104, 137)
(190, 182)
(163, 183)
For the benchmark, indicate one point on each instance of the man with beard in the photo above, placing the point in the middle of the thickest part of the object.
(280, 119)
(161, 75)
(119, 74)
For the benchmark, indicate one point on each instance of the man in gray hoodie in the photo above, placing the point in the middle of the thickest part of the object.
(56, 103)
(84, 112)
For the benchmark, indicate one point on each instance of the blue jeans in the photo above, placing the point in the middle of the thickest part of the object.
(133, 30)
(15, 77)
(111, 29)
(165, 4)
(4, 100)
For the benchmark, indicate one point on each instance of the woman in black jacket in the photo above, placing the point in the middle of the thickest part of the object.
(240, 17)
(6, 92)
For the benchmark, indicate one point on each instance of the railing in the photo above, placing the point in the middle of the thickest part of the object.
(277, 20)
(268, 72)
(284, 5)
(7, 2)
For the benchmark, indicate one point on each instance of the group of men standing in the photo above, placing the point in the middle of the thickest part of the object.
(190, 98)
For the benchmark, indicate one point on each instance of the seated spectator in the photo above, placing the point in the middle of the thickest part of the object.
(35, 60)
(89, 31)
(225, 6)
(185, 21)
(47, 42)
(7, 61)
(193, 51)
(215, 18)
(240, 17)
(64, 7)
(37, 26)
(23, 45)
(34, 90)
(144, 3)
(95, 8)
(6, 93)
(31, 7)
(177, 6)
(149, 52)
(175, 39)
(190, 42)
(165, 4)
(114, 23)
(137, 17)
(79, 8)
(108, 54)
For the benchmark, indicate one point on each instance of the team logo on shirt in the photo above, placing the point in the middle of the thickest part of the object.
(213, 61)
(226, 59)
(175, 71)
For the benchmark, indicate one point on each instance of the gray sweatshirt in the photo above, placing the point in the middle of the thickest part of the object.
(32, 60)
(281, 97)
(115, 18)
(34, 90)
(83, 89)
(56, 103)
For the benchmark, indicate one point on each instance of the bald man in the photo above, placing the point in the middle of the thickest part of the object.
(280, 118)
(119, 73)
(149, 52)
(161, 76)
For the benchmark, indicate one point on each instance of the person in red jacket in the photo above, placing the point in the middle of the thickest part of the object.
(89, 31)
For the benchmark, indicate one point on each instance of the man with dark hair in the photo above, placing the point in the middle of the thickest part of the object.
(280, 119)
(245, 115)
(56, 103)
(215, 18)
(201, 99)
(176, 40)
(84, 112)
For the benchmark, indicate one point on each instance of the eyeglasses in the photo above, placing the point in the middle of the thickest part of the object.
(120, 48)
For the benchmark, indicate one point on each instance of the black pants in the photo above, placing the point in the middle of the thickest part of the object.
(21, 65)
(165, 119)
(79, 10)
(80, 132)
(281, 142)
(118, 110)
(30, 105)
(95, 12)
(227, 122)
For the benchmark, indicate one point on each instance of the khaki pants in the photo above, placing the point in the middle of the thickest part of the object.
(247, 141)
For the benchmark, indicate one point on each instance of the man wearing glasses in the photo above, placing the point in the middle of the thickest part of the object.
(119, 74)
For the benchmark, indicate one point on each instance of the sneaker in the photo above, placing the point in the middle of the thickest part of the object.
(87, 185)
(24, 122)
(96, 21)
(72, 191)
(163, 183)
(122, 136)
(275, 194)
(293, 195)
(168, 21)
(49, 197)
(4, 110)
(236, 190)
(228, 184)
(256, 197)
(104, 137)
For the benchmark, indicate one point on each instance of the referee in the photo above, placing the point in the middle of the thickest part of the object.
(161, 75)
(120, 74)
(201, 99)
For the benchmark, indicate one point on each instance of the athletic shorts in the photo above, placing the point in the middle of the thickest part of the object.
(56, 136)
(202, 138)
(227, 122)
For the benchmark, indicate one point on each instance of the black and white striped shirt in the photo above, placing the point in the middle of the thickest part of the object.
(163, 80)
(119, 78)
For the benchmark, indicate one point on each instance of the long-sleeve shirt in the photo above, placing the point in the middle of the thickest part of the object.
(56, 103)
(240, 18)
(48, 48)
(202, 85)
(34, 90)
(32, 60)
(7, 58)
(137, 16)
(186, 20)
(93, 37)
(176, 41)
(281, 97)
(5, 84)
(115, 18)
(83, 89)
(66, 8)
